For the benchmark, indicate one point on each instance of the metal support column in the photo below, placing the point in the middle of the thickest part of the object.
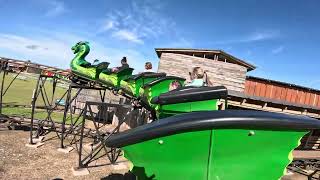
(99, 149)
(48, 124)
(70, 122)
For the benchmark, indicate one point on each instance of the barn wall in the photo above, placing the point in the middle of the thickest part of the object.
(282, 92)
(220, 73)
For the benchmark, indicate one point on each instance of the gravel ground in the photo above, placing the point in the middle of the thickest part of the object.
(20, 162)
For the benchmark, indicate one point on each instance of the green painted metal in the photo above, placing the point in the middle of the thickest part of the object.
(164, 111)
(263, 155)
(182, 156)
(82, 49)
(150, 92)
(132, 86)
(222, 154)
(113, 79)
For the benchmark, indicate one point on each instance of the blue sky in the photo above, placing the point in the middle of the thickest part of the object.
(280, 37)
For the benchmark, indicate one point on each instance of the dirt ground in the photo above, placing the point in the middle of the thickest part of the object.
(20, 162)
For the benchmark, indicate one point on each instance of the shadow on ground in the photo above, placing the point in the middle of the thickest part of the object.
(126, 176)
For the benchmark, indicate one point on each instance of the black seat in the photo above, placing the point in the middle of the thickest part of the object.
(125, 71)
(86, 65)
(152, 83)
(146, 75)
(102, 65)
(191, 94)
(207, 120)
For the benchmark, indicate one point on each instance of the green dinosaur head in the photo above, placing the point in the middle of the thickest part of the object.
(81, 46)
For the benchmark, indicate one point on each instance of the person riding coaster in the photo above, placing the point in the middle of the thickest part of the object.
(189, 99)
(157, 87)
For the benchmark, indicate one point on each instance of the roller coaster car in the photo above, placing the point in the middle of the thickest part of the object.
(188, 99)
(113, 80)
(131, 86)
(157, 87)
(89, 72)
(82, 68)
(214, 145)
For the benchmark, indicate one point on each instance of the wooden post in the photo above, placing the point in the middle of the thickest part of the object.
(314, 100)
(243, 101)
(285, 108)
(304, 112)
(264, 105)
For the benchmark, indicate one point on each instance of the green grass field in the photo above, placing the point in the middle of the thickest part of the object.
(20, 93)
(26, 113)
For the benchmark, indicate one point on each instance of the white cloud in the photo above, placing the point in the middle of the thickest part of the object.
(249, 52)
(252, 37)
(259, 36)
(47, 49)
(277, 50)
(55, 8)
(180, 43)
(55, 49)
(109, 24)
(314, 84)
(142, 19)
(127, 35)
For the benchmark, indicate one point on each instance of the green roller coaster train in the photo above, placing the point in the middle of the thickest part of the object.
(191, 136)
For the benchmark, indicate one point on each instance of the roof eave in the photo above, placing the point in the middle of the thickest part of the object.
(249, 66)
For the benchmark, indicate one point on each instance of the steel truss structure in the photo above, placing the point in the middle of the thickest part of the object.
(40, 127)
(119, 113)
(304, 166)
(5, 71)
(70, 120)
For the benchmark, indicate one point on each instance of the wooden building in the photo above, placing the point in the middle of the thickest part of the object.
(282, 91)
(245, 92)
(222, 68)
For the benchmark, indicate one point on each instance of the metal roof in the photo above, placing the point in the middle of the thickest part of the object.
(187, 51)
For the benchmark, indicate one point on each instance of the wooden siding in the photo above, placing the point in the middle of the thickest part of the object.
(278, 91)
(220, 73)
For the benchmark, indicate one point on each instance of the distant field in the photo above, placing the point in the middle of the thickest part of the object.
(20, 93)
(26, 113)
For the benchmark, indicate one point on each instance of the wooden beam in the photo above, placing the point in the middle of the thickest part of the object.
(314, 100)
(270, 109)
